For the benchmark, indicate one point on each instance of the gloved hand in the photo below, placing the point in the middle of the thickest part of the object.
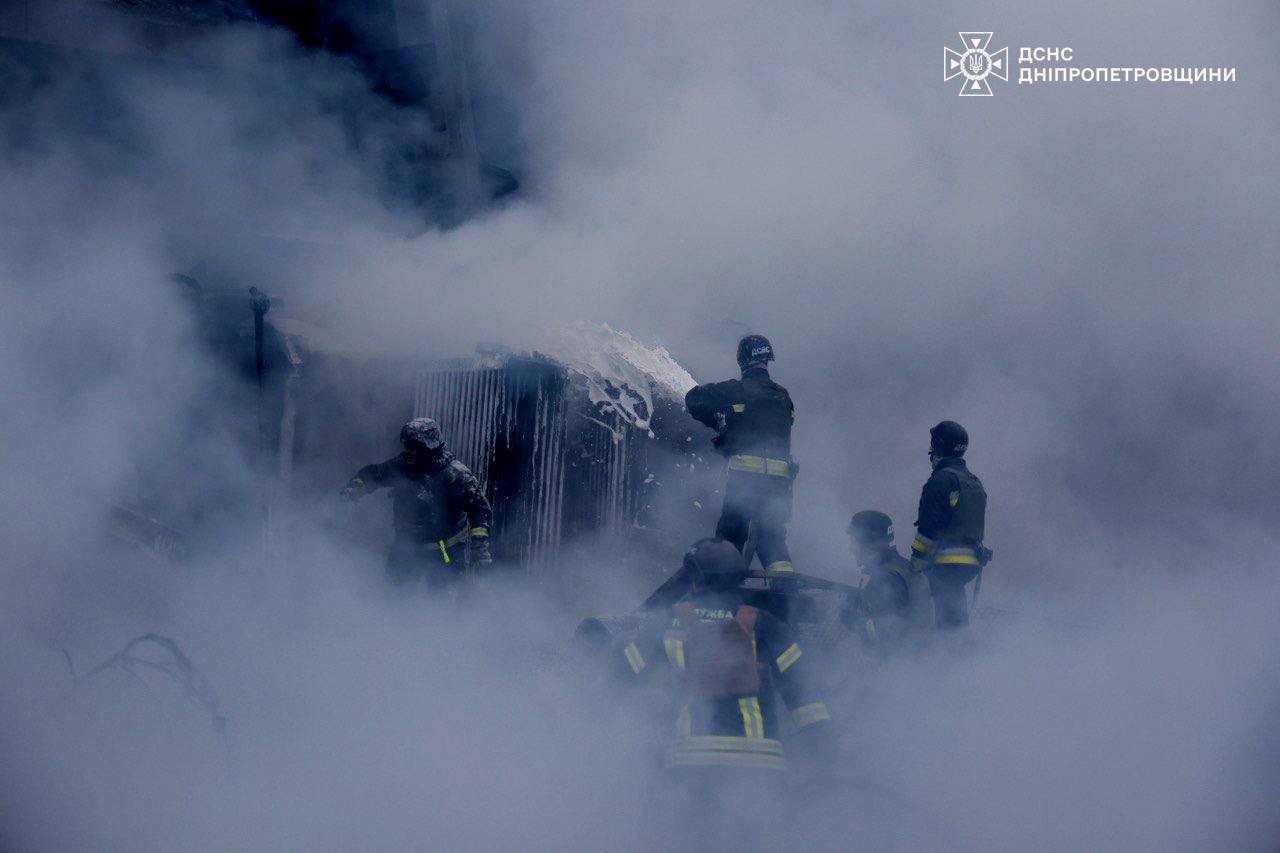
(480, 555)
(353, 490)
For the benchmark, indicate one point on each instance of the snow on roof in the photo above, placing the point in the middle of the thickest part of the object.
(621, 372)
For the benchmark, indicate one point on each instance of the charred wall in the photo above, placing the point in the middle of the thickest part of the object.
(565, 472)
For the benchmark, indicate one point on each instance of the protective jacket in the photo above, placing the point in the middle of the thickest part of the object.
(894, 600)
(724, 662)
(885, 594)
(752, 417)
(437, 506)
(952, 516)
(948, 544)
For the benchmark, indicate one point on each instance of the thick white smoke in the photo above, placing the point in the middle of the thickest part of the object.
(1082, 276)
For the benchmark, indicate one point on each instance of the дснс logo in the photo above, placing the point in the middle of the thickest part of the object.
(975, 63)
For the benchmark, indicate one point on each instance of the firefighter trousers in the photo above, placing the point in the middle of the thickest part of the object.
(413, 561)
(947, 583)
(765, 500)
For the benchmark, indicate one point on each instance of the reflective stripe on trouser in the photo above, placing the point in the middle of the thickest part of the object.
(807, 715)
(760, 465)
(752, 719)
(955, 557)
(460, 536)
(636, 660)
(710, 750)
(424, 560)
(674, 647)
(788, 657)
(446, 545)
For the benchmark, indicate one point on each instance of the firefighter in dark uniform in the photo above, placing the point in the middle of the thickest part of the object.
(752, 417)
(440, 514)
(723, 663)
(895, 599)
(949, 526)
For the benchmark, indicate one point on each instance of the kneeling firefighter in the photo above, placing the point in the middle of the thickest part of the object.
(895, 600)
(950, 525)
(440, 514)
(724, 660)
(752, 417)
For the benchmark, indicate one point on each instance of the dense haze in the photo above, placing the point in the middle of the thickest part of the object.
(1084, 275)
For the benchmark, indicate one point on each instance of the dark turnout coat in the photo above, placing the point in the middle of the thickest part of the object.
(724, 662)
(429, 504)
(753, 415)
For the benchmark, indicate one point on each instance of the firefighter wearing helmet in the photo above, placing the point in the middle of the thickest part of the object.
(950, 525)
(752, 417)
(730, 679)
(895, 600)
(440, 514)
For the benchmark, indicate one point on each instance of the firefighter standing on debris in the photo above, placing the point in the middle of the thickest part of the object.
(895, 599)
(948, 546)
(752, 417)
(441, 516)
(724, 661)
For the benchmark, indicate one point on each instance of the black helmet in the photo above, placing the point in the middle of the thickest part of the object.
(423, 431)
(754, 351)
(715, 563)
(871, 525)
(948, 439)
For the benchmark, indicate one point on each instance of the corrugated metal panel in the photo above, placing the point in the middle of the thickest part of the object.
(553, 465)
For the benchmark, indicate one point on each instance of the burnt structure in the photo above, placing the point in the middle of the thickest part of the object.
(563, 467)
(570, 458)
(580, 455)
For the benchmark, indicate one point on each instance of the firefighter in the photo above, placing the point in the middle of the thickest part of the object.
(752, 417)
(440, 514)
(948, 547)
(895, 599)
(723, 663)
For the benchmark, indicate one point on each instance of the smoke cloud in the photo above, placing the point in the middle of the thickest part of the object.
(1082, 275)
